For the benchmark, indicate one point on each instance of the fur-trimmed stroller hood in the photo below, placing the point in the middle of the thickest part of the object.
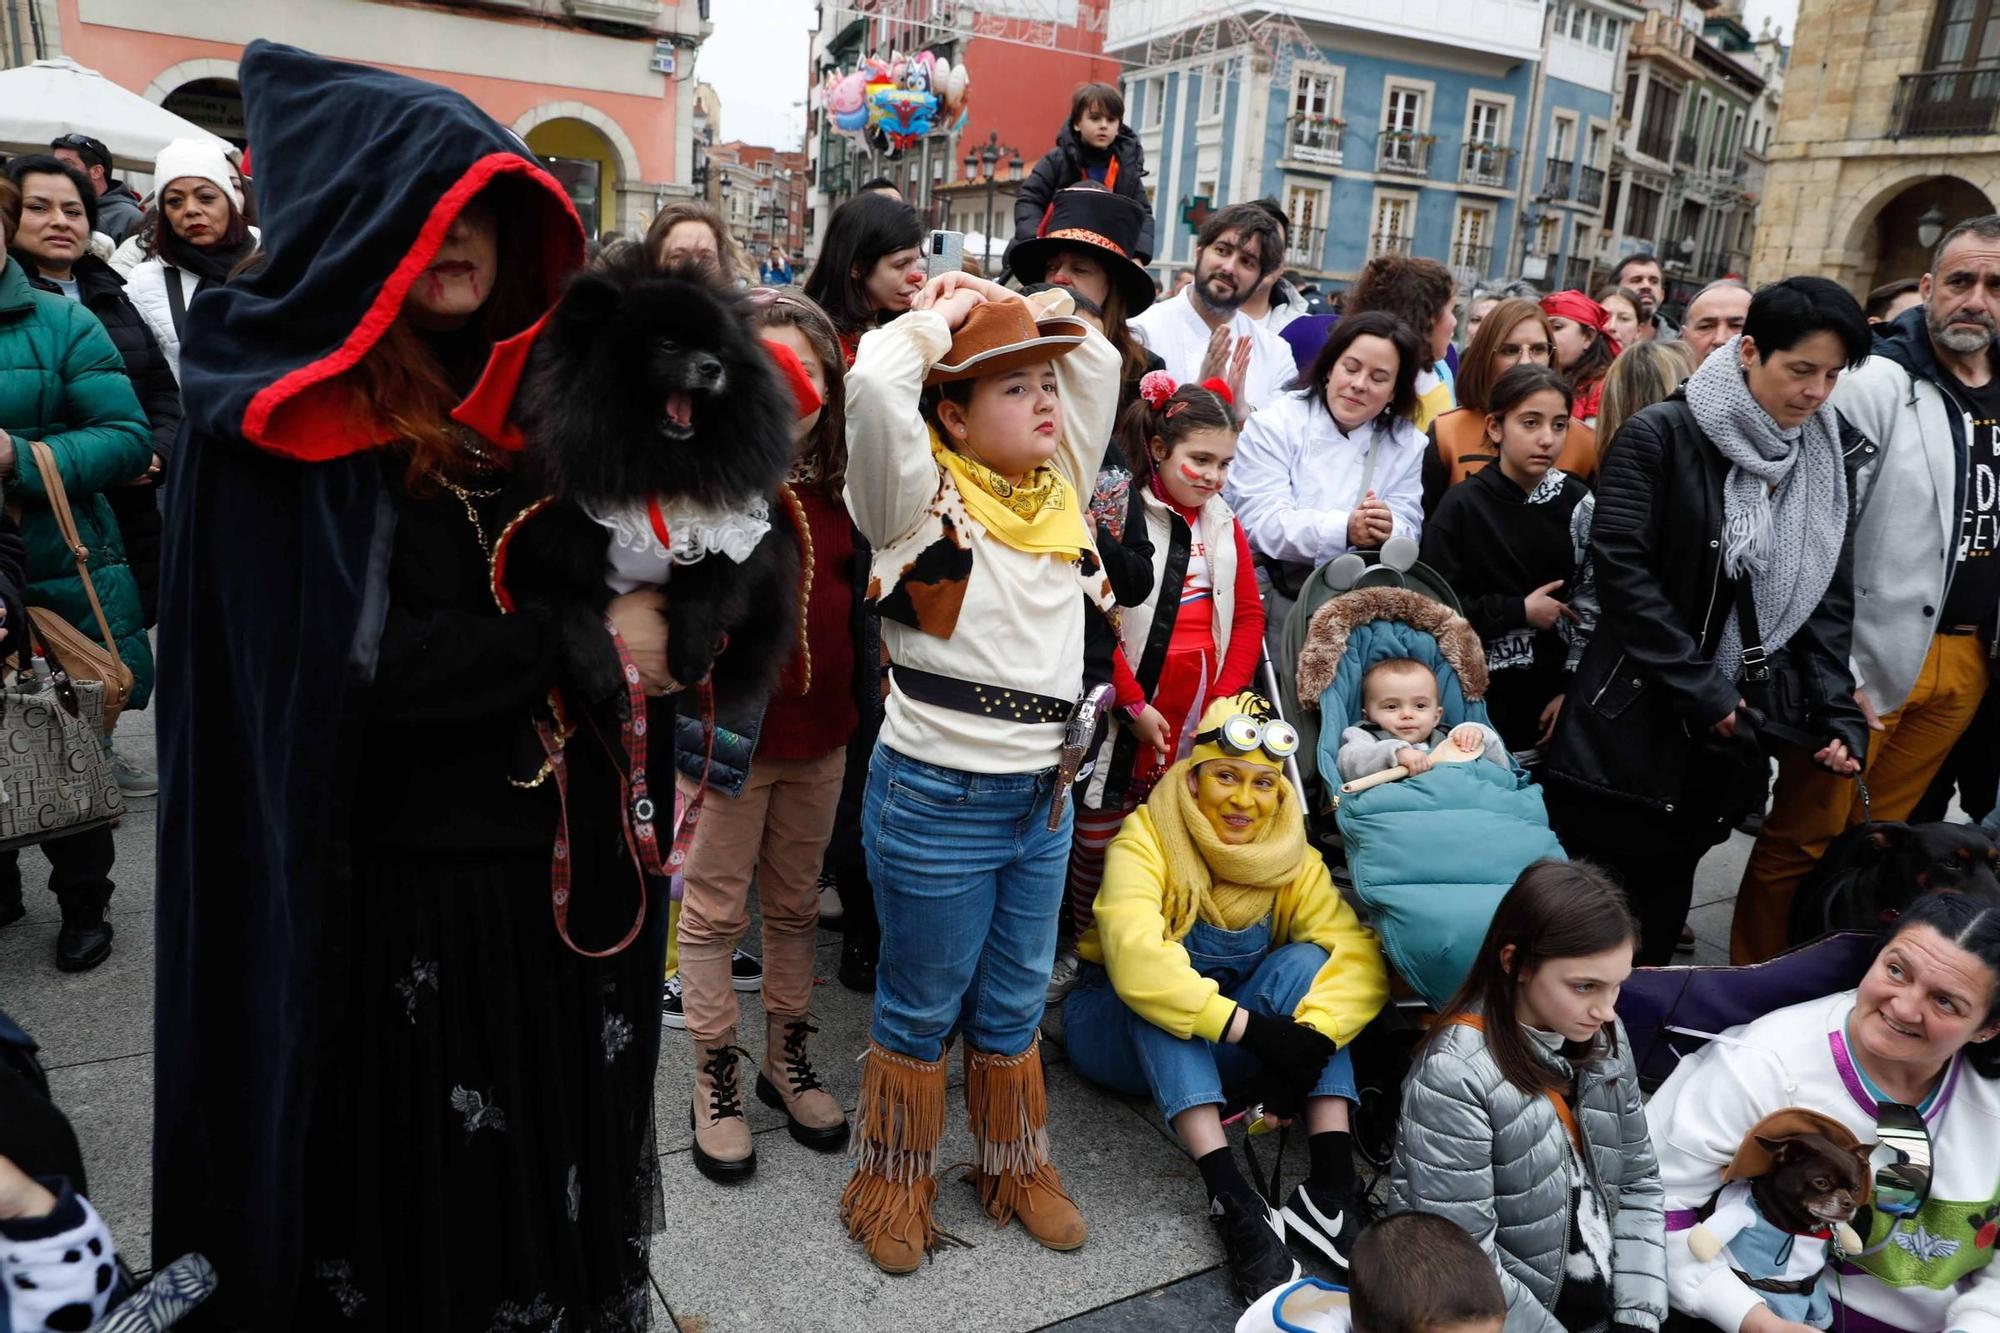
(1333, 623)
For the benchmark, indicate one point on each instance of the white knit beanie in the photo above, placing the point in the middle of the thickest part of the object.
(200, 159)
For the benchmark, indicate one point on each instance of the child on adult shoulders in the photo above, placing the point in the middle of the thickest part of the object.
(1401, 711)
(1096, 145)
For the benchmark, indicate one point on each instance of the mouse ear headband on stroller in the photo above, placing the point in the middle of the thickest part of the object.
(1351, 570)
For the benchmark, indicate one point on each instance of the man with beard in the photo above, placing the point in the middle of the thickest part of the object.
(1642, 274)
(1203, 331)
(1275, 302)
(1926, 537)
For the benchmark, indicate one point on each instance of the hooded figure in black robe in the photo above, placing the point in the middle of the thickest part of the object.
(308, 713)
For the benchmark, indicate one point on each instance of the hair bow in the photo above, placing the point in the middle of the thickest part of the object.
(1156, 388)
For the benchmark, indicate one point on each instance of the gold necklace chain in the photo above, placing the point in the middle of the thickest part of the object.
(466, 495)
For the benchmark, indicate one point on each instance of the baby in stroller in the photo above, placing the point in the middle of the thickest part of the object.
(1431, 854)
(1399, 728)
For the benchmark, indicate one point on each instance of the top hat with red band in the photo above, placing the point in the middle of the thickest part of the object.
(1105, 225)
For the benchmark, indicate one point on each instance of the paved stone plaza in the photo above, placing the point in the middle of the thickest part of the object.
(768, 1255)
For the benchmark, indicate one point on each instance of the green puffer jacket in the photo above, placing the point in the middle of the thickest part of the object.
(62, 382)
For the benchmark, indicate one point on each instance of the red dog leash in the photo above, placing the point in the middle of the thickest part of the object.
(640, 818)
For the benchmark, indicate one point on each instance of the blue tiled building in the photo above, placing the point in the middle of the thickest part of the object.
(1474, 132)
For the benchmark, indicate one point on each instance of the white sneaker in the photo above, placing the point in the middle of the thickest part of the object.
(1063, 976)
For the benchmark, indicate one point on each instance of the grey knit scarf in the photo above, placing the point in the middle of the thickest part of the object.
(1784, 503)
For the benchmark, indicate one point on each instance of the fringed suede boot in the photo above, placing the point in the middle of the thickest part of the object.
(889, 1205)
(1009, 1108)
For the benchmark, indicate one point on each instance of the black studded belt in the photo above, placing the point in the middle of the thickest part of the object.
(981, 700)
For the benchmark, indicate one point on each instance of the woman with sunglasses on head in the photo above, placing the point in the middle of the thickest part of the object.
(1906, 1060)
(1224, 965)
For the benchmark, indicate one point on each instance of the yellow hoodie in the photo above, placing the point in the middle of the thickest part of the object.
(1153, 975)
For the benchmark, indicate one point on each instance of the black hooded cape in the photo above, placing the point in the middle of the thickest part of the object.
(272, 599)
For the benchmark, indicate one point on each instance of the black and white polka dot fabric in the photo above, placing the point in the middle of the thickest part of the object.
(57, 1270)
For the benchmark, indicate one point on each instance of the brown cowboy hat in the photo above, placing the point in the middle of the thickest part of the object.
(999, 336)
(1753, 1158)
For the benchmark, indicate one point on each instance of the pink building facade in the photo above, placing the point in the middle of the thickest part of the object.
(600, 89)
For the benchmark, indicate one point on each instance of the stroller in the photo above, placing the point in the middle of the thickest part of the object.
(1424, 863)
(1427, 861)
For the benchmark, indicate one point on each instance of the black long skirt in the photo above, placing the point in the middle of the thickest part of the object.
(481, 1151)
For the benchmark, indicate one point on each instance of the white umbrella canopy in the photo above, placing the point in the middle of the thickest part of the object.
(40, 103)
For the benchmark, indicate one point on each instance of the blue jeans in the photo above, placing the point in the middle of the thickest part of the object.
(1111, 1045)
(968, 885)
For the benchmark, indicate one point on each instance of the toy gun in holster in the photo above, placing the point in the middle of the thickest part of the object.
(1079, 741)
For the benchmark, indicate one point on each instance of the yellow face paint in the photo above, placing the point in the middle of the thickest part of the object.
(1237, 798)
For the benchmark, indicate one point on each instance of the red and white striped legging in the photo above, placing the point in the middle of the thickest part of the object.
(1093, 833)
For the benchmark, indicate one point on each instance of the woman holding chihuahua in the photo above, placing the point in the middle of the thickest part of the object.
(1904, 1063)
(1507, 540)
(1521, 1117)
(974, 424)
(1179, 649)
(1224, 965)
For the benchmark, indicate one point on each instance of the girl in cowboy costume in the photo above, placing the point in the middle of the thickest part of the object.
(1224, 961)
(970, 494)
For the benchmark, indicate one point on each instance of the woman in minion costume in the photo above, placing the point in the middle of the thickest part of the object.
(1225, 967)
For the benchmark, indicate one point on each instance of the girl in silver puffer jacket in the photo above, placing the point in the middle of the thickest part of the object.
(1521, 1118)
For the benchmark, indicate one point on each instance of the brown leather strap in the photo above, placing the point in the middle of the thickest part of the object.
(58, 498)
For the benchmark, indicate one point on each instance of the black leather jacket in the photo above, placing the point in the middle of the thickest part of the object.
(1646, 689)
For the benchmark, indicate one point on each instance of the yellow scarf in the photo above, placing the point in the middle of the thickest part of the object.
(1039, 515)
(1231, 886)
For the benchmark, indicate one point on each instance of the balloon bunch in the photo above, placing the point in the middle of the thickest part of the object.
(888, 105)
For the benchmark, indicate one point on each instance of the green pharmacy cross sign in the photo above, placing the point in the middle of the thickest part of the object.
(1195, 212)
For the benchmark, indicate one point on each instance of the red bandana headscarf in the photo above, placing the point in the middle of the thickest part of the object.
(1574, 305)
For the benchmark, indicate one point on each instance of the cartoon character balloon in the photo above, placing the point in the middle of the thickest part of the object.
(889, 105)
(901, 114)
(847, 100)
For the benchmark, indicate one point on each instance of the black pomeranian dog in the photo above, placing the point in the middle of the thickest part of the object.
(650, 407)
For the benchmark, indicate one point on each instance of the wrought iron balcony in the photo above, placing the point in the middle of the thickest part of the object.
(1390, 243)
(1557, 176)
(1576, 273)
(1306, 248)
(1937, 102)
(1471, 264)
(1314, 139)
(1590, 186)
(1485, 164)
(1404, 152)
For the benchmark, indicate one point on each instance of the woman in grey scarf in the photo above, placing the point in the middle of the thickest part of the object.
(1741, 478)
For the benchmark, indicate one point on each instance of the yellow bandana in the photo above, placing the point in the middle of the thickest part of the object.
(1039, 516)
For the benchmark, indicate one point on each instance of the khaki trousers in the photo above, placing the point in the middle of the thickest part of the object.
(777, 830)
